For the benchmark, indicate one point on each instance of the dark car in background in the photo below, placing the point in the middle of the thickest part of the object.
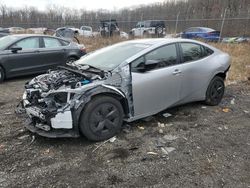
(30, 54)
(109, 28)
(203, 33)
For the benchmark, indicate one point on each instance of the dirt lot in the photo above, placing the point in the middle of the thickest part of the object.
(211, 148)
(198, 146)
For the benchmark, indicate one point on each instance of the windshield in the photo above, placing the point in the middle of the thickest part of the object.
(110, 57)
(7, 40)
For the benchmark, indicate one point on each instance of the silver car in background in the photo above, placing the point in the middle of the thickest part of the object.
(123, 82)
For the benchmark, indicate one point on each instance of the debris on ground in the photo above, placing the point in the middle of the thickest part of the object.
(152, 153)
(246, 111)
(23, 137)
(111, 140)
(141, 128)
(7, 113)
(161, 131)
(166, 115)
(33, 139)
(232, 102)
(168, 124)
(203, 107)
(167, 150)
(169, 137)
(226, 110)
(161, 125)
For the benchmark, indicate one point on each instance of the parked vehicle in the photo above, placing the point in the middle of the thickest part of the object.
(109, 28)
(16, 30)
(67, 33)
(37, 30)
(149, 28)
(123, 82)
(236, 40)
(203, 33)
(4, 30)
(3, 34)
(28, 54)
(86, 31)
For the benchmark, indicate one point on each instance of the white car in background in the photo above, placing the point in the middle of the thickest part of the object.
(86, 31)
(16, 30)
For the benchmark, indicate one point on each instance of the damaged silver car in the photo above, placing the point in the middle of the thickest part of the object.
(123, 82)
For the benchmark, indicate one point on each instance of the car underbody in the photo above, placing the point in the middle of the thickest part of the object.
(55, 101)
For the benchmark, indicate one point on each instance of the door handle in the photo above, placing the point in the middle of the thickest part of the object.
(176, 71)
(37, 51)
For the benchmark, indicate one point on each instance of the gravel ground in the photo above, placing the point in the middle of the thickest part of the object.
(198, 146)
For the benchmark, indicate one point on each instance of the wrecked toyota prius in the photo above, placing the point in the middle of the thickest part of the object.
(123, 82)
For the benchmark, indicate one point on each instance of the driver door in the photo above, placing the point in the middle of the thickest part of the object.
(157, 88)
(25, 61)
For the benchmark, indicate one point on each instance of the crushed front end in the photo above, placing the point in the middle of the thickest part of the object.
(50, 101)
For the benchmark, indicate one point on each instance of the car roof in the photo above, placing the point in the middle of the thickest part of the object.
(21, 36)
(160, 40)
(203, 28)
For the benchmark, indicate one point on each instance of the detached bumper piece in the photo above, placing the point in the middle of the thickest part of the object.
(52, 133)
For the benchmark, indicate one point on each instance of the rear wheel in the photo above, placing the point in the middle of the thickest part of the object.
(101, 119)
(1, 74)
(215, 91)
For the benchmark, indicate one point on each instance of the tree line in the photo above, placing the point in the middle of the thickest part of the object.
(189, 13)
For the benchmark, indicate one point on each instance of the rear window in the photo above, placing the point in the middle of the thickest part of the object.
(193, 52)
(51, 42)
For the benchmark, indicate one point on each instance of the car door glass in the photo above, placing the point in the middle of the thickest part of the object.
(28, 43)
(191, 52)
(165, 56)
(51, 43)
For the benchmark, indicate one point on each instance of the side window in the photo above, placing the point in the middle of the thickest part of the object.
(65, 43)
(207, 51)
(51, 42)
(164, 56)
(191, 52)
(28, 43)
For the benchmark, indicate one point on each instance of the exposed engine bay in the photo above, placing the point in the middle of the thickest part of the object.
(54, 101)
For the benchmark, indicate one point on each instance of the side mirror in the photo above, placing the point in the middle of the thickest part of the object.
(151, 62)
(146, 66)
(15, 49)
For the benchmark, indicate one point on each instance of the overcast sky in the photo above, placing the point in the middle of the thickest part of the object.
(77, 4)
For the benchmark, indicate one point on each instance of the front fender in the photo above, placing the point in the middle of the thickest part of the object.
(88, 95)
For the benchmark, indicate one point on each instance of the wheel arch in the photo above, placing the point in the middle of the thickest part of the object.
(97, 92)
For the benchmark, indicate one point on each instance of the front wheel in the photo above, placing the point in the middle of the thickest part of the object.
(101, 119)
(215, 91)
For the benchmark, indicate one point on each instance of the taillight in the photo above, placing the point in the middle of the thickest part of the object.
(83, 50)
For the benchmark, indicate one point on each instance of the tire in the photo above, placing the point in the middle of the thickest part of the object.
(70, 60)
(215, 91)
(2, 75)
(159, 31)
(101, 119)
